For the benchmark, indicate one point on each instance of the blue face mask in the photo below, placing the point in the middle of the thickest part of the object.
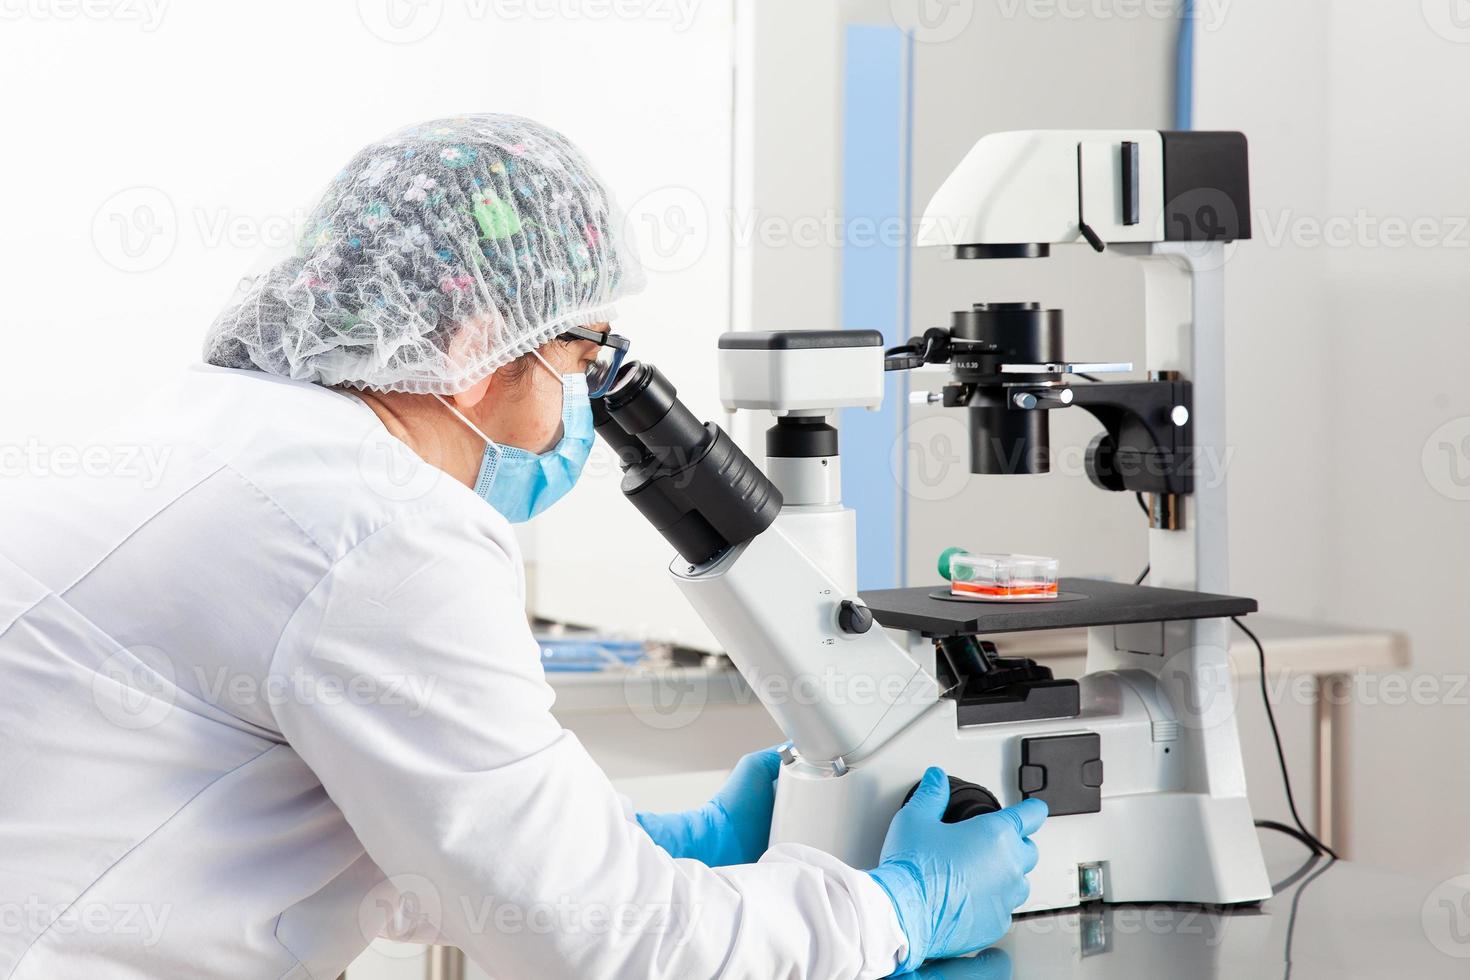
(521, 484)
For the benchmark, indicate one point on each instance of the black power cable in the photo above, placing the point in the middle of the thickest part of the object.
(1305, 835)
(1300, 831)
(1311, 843)
(1296, 900)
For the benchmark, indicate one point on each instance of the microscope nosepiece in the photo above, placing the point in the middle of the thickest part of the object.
(1005, 438)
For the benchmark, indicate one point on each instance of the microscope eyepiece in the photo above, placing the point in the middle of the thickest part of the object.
(632, 378)
(646, 405)
(688, 478)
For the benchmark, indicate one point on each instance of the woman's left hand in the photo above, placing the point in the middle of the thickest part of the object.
(734, 827)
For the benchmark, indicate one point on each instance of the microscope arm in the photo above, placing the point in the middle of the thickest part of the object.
(833, 680)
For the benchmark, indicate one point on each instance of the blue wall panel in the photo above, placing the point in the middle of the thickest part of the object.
(876, 149)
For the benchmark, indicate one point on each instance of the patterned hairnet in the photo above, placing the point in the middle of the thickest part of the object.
(437, 255)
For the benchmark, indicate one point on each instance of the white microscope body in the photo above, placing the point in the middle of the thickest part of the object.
(1142, 766)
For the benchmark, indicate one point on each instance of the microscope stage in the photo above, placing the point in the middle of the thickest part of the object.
(1101, 604)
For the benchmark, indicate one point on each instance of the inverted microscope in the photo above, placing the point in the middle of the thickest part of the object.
(1138, 759)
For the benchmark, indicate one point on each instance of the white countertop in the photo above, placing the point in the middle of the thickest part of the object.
(1291, 645)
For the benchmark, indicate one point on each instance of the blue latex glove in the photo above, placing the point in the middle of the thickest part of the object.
(990, 964)
(734, 827)
(955, 885)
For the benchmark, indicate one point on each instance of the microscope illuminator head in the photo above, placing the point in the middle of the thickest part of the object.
(801, 371)
(1016, 194)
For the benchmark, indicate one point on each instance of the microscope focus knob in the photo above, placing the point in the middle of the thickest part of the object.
(966, 800)
(854, 617)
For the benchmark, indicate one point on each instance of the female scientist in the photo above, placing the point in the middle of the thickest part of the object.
(279, 696)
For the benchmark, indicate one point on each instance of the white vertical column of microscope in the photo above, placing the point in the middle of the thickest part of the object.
(784, 605)
(813, 514)
(802, 387)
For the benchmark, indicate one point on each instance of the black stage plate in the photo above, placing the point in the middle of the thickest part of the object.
(1106, 604)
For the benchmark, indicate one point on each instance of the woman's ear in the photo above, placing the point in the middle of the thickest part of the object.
(471, 396)
(468, 347)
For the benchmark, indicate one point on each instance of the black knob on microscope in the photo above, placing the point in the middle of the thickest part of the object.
(966, 800)
(854, 617)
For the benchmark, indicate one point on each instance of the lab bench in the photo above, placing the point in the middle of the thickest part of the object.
(666, 734)
(1324, 919)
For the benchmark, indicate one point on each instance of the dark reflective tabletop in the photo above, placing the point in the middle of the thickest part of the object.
(1326, 919)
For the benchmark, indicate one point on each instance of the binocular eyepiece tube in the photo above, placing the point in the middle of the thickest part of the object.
(686, 477)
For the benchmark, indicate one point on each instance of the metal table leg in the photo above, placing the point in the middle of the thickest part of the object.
(1333, 783)
(444, 963)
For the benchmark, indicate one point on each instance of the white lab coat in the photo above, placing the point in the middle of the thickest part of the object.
(267, 691)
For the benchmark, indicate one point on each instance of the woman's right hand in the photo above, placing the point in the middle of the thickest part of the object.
(954, 886)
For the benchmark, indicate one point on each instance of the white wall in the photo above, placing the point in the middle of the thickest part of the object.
(1398, 339)
(206, 132)
(1347, 362)
(230, 118)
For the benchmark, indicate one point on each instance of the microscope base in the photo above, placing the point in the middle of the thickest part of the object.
(1155, 836)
